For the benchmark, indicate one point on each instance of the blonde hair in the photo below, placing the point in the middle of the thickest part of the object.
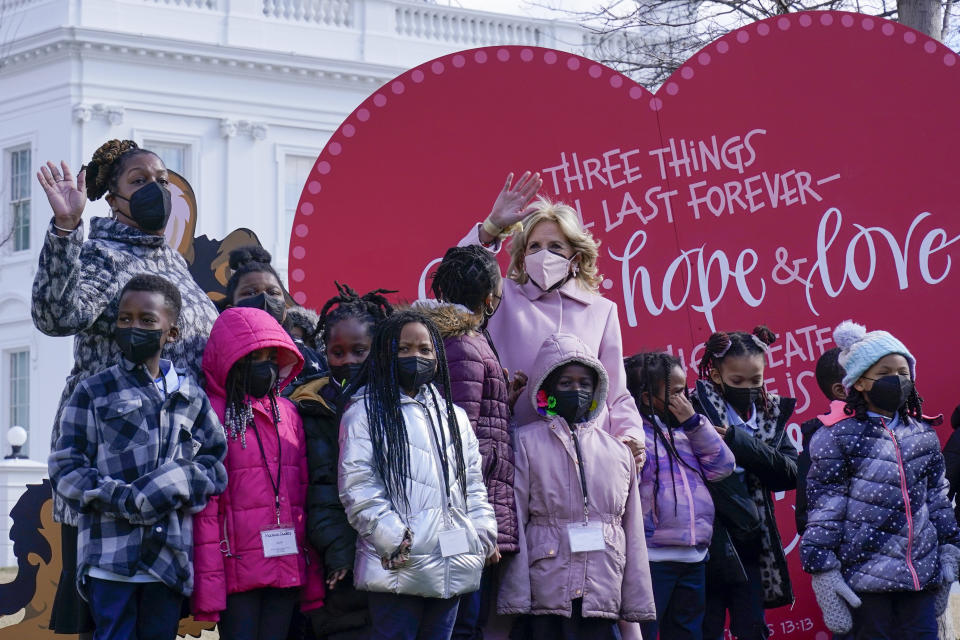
(580, 239)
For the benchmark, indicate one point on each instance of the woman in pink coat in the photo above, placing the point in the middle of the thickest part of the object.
(250, 549)
(552, 286)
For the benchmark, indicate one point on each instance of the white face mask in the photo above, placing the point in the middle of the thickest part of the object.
(547, 269)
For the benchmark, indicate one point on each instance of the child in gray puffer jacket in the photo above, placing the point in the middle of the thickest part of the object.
(881, 533)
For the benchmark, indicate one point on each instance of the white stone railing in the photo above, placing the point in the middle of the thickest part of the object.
(334, 13)
(193, 4)
(437, 23)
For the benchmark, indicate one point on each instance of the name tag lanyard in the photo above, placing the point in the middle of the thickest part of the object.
(440, 442)
(583, 476)
(263, 454)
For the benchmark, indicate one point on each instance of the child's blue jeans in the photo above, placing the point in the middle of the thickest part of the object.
(896, 615)
(680, 593)
(402, 617)
(123, 610)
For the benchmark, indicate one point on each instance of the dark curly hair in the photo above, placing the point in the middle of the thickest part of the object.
(721, 345)
(244, 260)
(107, 164)
(829, 371)
(155, 284)
(466, 275)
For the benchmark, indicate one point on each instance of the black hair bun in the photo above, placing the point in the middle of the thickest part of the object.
(246, 255)
(766, 336)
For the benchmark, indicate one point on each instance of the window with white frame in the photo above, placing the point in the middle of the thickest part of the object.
(18, 391)
(175, 156)
(18, 203)
(296, 168)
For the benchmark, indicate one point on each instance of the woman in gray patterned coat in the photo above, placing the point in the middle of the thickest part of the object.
(77, 287)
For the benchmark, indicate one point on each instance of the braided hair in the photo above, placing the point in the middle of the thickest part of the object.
(250, 259)
(466, 275)
(650, 372)
(371, 308)
(388, 430)
(721, 345)
(107, 165)
(238, 412)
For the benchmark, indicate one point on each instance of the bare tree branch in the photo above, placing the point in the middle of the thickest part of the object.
(649, 39)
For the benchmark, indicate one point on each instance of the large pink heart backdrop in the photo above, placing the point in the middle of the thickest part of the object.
(796, 172)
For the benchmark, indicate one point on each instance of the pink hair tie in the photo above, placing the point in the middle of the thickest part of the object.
(720, 354)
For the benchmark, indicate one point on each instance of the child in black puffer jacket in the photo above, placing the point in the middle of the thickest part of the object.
(347, 324)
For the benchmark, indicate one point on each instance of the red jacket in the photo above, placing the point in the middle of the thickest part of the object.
(228, 553)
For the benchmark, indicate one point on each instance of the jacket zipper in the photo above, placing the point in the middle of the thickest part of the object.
(906, 503)
(689, 496)
(443, 501)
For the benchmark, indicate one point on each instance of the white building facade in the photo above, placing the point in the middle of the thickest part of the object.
(239, 96)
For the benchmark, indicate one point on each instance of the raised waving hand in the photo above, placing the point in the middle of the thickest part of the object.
(67, 197)
(512, 204)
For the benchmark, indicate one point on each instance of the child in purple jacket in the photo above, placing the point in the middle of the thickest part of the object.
(684, 451)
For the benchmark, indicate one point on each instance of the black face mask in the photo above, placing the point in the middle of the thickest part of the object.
(150, 206)
(742, 398)
(344, 374)
(573, 406)
(138, 345)
(889, 393)
(414, 371)
(668, 419)
(262, 378)
(272, 305)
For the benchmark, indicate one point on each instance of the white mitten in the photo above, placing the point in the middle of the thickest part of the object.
(942, 599)
(949, 559)
(835, 598)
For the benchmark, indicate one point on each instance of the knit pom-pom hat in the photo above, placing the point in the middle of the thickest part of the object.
(860, 350)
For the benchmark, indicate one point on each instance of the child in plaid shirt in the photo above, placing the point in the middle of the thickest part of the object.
(140, 450)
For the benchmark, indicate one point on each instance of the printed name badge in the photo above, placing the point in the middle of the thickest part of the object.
(586, 537)
(278, 542)
(453, 542)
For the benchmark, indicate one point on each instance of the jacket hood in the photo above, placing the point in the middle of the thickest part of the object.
(242, 330)
(110, 229)
(557, 351)
(310, 395)
(452, 320)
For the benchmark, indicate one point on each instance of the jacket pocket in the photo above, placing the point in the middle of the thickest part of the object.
(122, 424)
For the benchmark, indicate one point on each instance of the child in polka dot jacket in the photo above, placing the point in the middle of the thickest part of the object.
(881, 538)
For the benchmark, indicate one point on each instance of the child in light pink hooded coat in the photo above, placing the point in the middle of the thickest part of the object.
(582, 594)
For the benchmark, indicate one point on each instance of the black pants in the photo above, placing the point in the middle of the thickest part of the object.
(745, 603)
(261, 614)
(70, 613)
(125, 610)
(576, 627)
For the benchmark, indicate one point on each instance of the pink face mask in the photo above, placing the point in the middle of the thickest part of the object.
(547, 269)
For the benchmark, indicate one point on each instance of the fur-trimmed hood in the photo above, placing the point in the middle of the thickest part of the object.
(561, 349)
(451, 320)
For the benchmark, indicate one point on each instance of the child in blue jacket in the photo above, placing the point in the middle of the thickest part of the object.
(881, 535)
